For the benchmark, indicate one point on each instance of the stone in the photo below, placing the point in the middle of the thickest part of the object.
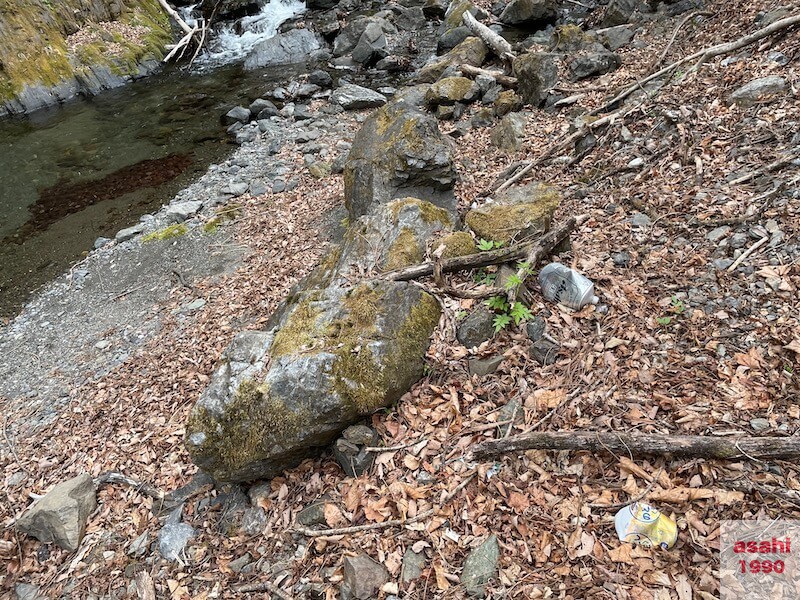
(267, 111)
(302, 113)
(484, 366)
(471, 51)
(482, 118)
(363, 578)
(258, 187)
(640, 220)
(178, 212)
(760, 424)
(173, 536)
(307, 90)
(313, 514)
(480, 566)
(368, 32)
(619, 12)
(238, 114)
(360, 435)
(238, 564)
(60, 515)
(259, 104)
(246, 135)
(452, 38)
(595, 63)
(544, 351)
(458, 243)
(537, 73)
(476, 328)
(371, 46)
(353, 460)
(717, 234)
(621, 259)
(449, 90)
(293, 47)
(616, 37)
(527, 208)
(509, 133)
(355, 97)
(529, 12)
(434, 9)
(278, 186)
(399, 151)
(760, 91)
(28, 591)
(123, 235)
(536, 328)
(413, 563)
(320, 78)
(101, 241)
(139, 546)
(507, 101)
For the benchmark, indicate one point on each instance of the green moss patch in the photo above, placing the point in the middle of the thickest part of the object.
(405, 251)
(430, 213)
(532, 206)
(166, 233)
(459, 243)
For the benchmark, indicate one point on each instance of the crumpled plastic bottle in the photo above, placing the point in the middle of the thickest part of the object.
(640, 523)
(566, 286)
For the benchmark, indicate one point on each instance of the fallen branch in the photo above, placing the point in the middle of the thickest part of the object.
(393, 523)
(682, 22)
(747, 253)
(141, 487)
(773, 166)
(750, 487)
(438, 278)
(483, 259)
(174, 14)
(496, 43)
(504, 80)
(642, 444)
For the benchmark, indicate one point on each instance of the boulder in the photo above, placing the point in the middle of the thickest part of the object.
(355, 97)
(528, 208)
(363, 578)
(452, 38)
(454, 16)
(60, 515)
(366, 29)
(537, 73)
(458, 243)
(508, 134)
(371, 46)
(238, 114)
(507, 101)
(480, 566)
(293, 47)
(450, 90)
(595, 63)
(760, 90)
(529, 12)
(616, 37)
(471, 51)
(619, 12)
(399, 151)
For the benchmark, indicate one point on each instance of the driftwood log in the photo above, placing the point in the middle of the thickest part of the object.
(727, 448)
(495, 43)
(533, 251)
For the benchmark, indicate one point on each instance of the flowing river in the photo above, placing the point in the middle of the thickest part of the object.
(71, 174)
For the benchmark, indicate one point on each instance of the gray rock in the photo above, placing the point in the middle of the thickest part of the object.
(235, 188)
(306, 90)
(355, 97)
(484, 366)
(738, 240)
(615, 38)
(536, 328)
(760, 424)
(60, 516)
(509, 133)
(410, 19)
(128, 233)
(619, 12)
(544, 352)
(595, 63)
(452, 38)
(278, 186)
(363, 578)
(313, 514)
(258, 187)
(293, 47)
(760, 91)
(413, 563)
(482, 118)
(320, 78)
(399, 151)
(371, 46)
(640, 220)
(353, 460)
(246, 135)
(722, 263)
(480, 566)
(238, 114)
(302, 113)
(471, 51)
(178, 212)
(259, 104)
(537, 73)
(138, 547)
(173, 536)
(476, 328)
(28, 591)
(267, 111)
(621, 259)
(360, 435)
(717, 234)
(102, 241)
(368, 32)
(238, 564)
(528, 12)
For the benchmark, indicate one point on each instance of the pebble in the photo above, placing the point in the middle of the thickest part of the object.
(759, 424)
(636, 163)
(278, 186)
(716, 235)
(640, 220)
(722, 263)
(621, 259)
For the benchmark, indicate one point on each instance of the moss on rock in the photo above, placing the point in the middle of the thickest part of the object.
(520, 209)
(458, 243)
(471, 51)
(430, 213)
(405, 251)
(449, 90)
(166, 233)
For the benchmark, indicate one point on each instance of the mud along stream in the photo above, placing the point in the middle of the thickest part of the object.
(71, 174)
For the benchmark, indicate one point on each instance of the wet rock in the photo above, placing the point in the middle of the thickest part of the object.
(173, 536)
(509, 133)
(355, 97)
(293, 47)
(544, 352)
(363, 578)
(60, 516)
(238, 114)
(529, 12)
(101, 241)
(484, 366)
(399, 151)
(449, 90)
(413, 563)
(595, 63)
(480, 566)
(717, 234)
(760, 91)
(527, 208)
(476, 328)
(536, 328)
(537, 73)
(178, 212)
(471, 51)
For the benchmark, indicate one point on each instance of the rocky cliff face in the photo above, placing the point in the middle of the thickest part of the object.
(52, 50)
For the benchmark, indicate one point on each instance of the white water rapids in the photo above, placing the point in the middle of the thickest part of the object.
(231, 41)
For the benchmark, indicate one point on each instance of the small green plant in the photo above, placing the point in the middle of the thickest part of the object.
(664, 321)
(516, 311)
(677, 306)
(483, 277)
(486, 245)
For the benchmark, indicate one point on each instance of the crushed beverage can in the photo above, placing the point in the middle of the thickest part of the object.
(561, 284)
(640, 523)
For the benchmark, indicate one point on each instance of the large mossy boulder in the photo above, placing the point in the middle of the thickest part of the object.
(399, 151)
(525, 210)
(471, 51)
(529, 12)
(537, 73)
(449, 90)
(334, 356)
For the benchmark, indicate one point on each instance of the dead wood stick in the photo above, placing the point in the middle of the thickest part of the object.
(483, 259)
(747, 253)
(703, 56)
(145, 586)
(683, 22)
(117, 477)
(263, 586)
(749, 487)
(504, 80)
(393, 523)
(773, 166)
(496, 43)
(174, 14)
(642, 444)
(442, 284)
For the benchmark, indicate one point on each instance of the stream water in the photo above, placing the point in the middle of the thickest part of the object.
(74, 173)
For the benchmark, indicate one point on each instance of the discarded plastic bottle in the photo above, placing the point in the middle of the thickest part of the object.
(640, 523)
(567, 286)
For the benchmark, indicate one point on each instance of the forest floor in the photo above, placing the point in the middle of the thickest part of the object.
(683, 346)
